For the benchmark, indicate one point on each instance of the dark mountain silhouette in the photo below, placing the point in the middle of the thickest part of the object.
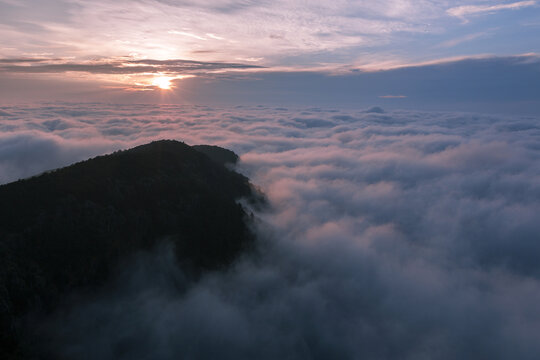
(68, 228)
(218, 154)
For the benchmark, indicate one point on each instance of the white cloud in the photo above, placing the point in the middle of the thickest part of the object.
(392, 96)
(225, 30)
(462, 39)
(282, 33)
(184, 33)
(465, 10)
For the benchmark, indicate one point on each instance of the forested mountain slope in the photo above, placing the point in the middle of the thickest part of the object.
(68, 228)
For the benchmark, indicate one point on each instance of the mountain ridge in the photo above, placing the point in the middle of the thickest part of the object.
(67, 228)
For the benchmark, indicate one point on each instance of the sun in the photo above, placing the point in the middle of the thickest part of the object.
(163, 82)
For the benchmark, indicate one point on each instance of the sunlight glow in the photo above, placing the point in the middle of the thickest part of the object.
(163, 82)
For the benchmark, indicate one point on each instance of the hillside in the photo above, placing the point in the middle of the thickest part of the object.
(67, 229)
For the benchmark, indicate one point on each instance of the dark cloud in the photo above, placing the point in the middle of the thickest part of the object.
(90, 68)
(490, 85)
(23, 60)
(221, 6)
(118, 67)
(192, 63)
(394, 235)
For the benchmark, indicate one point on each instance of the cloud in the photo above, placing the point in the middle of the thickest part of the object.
(285, 29)
(28, 153)
(466, 10)
(392, 96)
(289, 34)
(391, 234)
(23, 60)
(374, 67)
(460, 40)
(184, 33)
(144, 66)
(473, 84)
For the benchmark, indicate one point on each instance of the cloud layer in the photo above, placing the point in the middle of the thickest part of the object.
(391, 234)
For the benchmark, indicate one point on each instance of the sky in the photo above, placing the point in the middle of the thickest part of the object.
(398, 53)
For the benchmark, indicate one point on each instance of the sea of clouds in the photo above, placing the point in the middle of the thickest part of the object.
(390, 235)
